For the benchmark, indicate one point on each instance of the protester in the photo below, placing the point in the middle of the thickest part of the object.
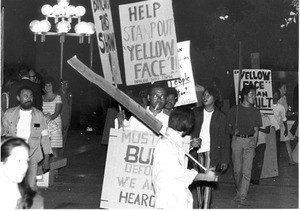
(15, 192)
(66, 111)
(52, 107)
(5, 94)
(286, 138)
(170, 177)
(171, 100)
(210, 127)
(282, 132)
(157, 97)
(32, 76)
(143, 96)
(27, 122)
(25, 81)
(243, 122)
(260, 150)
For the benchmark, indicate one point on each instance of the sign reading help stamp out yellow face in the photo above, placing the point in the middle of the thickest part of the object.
(149, 41)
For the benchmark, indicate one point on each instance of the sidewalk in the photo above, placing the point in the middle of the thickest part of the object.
(78, 185)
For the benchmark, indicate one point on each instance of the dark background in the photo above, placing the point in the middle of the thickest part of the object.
(214, 43)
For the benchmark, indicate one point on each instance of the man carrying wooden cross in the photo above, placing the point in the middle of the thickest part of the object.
(157, 96)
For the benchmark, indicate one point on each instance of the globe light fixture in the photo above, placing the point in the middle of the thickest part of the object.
(61, 15)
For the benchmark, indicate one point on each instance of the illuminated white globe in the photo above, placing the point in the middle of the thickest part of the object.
(63, 27)
(44, 26)
(58, 10)
(63, 3)
(70, 10)
(47, 9)
(81, 27)
(90, 28)
(34, 26)
(79, 11)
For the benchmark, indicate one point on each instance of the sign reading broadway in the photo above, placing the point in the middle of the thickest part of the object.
(149, 41)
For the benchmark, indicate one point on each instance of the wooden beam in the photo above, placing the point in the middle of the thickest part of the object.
(117, 94)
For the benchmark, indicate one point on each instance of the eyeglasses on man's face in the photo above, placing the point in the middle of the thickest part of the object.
(161, 97)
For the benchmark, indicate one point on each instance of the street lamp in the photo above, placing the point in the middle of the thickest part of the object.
(63, 13)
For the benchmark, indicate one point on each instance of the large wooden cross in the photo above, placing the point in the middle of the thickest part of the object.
(123, 99)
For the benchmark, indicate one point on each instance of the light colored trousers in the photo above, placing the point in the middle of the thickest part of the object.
(243, 152)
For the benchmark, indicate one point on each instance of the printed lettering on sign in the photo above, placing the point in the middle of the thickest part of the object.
(262, 80)
(185, 85)
(149, 41)
(106, 40)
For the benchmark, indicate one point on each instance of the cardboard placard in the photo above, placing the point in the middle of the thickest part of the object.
(262, 80)
(185, 85)
(149, 41)
(127, 177)
(106, 41)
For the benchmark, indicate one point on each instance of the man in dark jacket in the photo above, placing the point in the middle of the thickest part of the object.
(214, 152)
(25, 81)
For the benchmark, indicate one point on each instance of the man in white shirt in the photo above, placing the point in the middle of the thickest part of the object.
(25, 121)
(157, 97)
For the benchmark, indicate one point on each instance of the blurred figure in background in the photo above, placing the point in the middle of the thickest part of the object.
(5, 94)
(258, 160)
(66, 112)
(15, 192)
(171, 100)
(287, 136)
(25, 81)
(52, 107)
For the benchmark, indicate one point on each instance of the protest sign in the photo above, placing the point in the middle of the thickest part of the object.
(185, 85)
(106, 41)
(128, 168)
(262, 80)
(127, 178)
(149, 41)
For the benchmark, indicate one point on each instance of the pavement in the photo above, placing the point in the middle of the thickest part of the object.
(79, 184)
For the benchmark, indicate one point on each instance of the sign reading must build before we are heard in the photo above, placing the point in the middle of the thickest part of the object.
(127, 178)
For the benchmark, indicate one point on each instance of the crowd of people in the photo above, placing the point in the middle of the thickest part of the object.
(32, 115)
(36, 117)
(217, 140)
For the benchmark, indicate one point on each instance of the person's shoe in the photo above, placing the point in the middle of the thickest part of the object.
(237, 198)
(292, 163)
(245, 202)
(254, 182)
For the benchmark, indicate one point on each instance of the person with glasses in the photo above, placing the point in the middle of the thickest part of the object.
(157, 97)
(25, 80)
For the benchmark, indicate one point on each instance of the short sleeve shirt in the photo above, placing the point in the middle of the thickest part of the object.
(248, 118)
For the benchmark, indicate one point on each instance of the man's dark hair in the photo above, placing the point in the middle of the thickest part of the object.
(215, 92)
(182, 119)
(22, 88)
(246, 89)
(280, 84)
(24, 71)
(172, 91)
(158, 84)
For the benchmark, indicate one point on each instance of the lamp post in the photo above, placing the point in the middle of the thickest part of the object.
(63, 14)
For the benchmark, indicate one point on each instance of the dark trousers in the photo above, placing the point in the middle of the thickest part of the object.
(277, 132)
(294, 126)
(258, 161)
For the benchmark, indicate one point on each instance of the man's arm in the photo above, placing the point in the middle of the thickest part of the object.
(256, 135)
